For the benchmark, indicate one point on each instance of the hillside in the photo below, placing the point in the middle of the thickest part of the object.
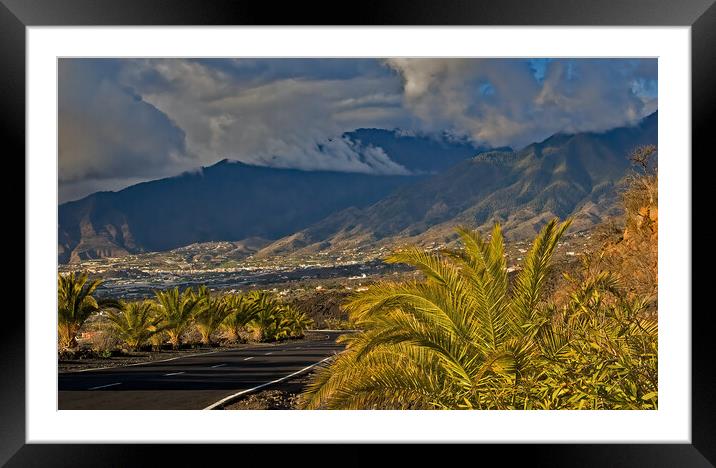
(227, 201)
(298, 212)
(231, 201)
(564, 175)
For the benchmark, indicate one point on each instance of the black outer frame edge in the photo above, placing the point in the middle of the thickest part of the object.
(703, 104)
(88, 12)
(12, 132)
(371, 12)
(531, 455)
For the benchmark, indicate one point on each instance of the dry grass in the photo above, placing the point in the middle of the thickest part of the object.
(103, 342)
(628, 246)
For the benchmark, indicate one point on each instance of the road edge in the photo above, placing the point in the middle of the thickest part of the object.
(231, 398)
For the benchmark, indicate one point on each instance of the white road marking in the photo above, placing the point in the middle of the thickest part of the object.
(144, 363)
(218, 365)
(268, 353)
(223, 400)
(173, 373)
(104, 386)
(248, 358)
(177, 357)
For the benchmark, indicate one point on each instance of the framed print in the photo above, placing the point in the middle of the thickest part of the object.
(418, 223)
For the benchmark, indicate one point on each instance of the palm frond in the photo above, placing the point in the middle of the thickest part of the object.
(462, 338)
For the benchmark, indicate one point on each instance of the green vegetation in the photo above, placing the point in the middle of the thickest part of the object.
(243, 311)
(134, 323)
(275, 320)
(212, 312)
(338, 324)
(295, 322)
(177, 312)
(630, 246)
(174, 316)
(75, 304)
(466, 337)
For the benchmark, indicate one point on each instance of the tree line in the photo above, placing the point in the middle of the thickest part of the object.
(171, 314)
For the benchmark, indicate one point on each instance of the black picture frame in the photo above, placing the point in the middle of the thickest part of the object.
(16, 15)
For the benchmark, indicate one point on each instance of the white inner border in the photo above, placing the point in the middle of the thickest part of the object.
(671, 423)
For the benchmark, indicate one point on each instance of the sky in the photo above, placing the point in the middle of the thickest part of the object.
(124, 121)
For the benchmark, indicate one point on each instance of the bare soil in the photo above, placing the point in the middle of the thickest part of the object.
(282, 396)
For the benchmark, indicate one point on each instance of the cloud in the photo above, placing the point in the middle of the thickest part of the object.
(139, 119)
(334, 154)
(281, 120)
(515, 102)
(107, 132)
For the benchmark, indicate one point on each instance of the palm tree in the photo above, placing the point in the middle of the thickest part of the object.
(445, 341)
(210, 315)
(296, 321)
(135, 322)
(243, 311)
(268, 320)
(157, 339)
(75, 303)
(463, 338)
(177, 312)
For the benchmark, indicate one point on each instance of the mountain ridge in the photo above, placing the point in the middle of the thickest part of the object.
(296, 211)
(229, 200)
(564, 175)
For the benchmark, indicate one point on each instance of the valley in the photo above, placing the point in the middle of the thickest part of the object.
(138, 276)
(248, 217)
(359, 234)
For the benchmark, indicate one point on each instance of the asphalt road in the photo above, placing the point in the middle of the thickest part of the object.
(191, 382)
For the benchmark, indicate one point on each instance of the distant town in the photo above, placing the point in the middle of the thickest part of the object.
(137, 276)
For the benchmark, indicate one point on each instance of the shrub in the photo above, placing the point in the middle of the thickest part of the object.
(338, 324)
(104, 343)
(641, 194)
(463, 338)
(210, 314)
(268, 323)
(158, 339)
(134, 323)
(274, 320)
(243, 311)
(295, 321)
(177, 312)
(75, 304)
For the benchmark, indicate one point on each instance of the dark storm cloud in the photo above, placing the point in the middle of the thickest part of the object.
(107, 132)
(128, 120)
(272, 112)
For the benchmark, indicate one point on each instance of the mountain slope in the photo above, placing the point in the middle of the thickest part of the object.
(565, 175)
(419, 154)
(227, 201)
(305, 211)
(234, 201)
